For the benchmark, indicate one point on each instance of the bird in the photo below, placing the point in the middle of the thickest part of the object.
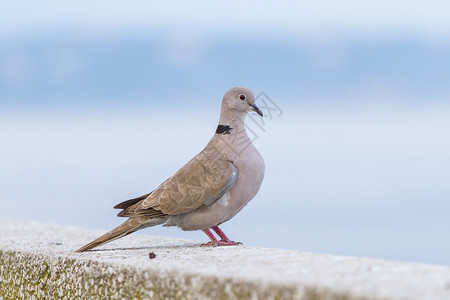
(208, 190)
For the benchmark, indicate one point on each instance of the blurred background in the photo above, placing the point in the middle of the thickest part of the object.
(102, 101)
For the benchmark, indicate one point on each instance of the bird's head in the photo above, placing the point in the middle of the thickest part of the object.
(240, 101)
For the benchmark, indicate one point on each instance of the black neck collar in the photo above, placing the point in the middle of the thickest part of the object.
(223, 129)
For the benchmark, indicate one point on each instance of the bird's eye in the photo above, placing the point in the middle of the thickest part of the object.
(242, 97)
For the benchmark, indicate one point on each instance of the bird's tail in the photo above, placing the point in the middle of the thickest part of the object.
(129, 226)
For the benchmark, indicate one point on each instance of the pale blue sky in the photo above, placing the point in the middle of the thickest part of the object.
(429, 18)
(135, 50)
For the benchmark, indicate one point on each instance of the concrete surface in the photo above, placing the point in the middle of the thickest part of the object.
(38, 262)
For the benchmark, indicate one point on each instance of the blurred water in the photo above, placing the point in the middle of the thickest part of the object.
(67, 68)
(364, 178)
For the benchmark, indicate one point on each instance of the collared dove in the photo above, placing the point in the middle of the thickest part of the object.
(210, 189)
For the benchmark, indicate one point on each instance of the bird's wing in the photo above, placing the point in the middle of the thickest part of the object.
(203, 180)
(128, 203)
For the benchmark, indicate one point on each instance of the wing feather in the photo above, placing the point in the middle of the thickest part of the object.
(203, 180)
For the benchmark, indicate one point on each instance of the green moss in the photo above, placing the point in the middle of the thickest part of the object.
(24, 274)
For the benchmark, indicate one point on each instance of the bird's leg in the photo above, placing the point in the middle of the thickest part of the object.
(225, 241)
(214, 242)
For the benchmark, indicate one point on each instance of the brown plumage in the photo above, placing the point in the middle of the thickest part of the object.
(203, 193)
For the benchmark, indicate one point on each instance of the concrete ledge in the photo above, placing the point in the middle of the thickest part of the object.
(38, 262)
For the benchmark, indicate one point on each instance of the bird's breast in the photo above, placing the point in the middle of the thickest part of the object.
(250, 167)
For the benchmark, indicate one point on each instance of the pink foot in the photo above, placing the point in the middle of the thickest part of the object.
(211, 236)
(220, 243)
(210, 244)
(229, 243)
(225, 241)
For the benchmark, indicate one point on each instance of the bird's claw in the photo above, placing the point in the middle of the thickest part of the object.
(221, 243)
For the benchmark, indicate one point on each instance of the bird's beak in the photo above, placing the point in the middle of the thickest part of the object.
(256, 109)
